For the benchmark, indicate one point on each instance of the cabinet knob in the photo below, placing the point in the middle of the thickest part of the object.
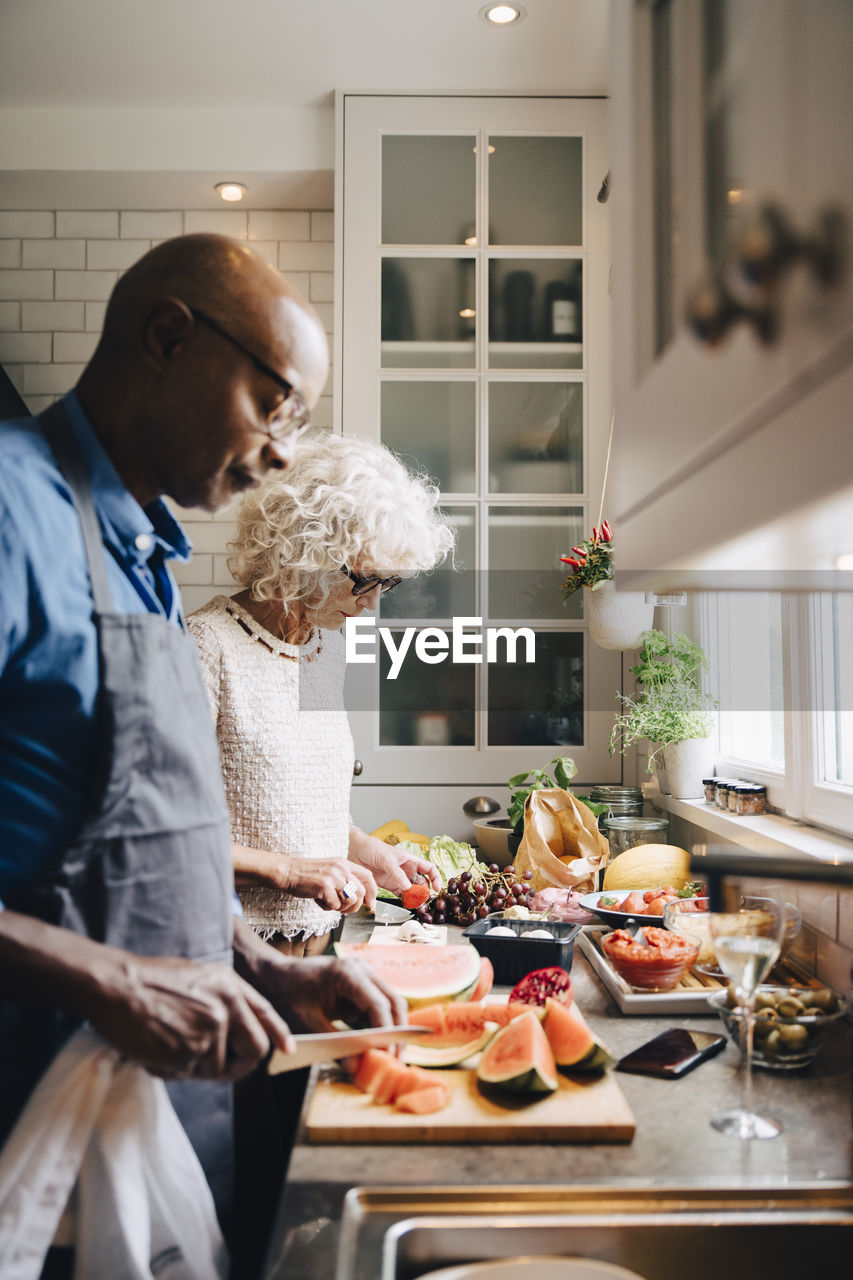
(712, 310)
(770, 245)
(357, 768)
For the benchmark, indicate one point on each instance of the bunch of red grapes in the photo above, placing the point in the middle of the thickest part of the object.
(474, 895)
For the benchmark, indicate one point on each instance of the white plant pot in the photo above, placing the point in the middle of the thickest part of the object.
(616, 618)
(687, 763)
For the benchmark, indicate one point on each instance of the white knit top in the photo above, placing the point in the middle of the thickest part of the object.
(286, 750)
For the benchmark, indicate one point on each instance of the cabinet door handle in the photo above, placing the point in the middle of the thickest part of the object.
(712, 310)
(357, 768)
(769, 246)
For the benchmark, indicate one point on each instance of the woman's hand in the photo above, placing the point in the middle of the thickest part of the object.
(392, 868)
(334, 884)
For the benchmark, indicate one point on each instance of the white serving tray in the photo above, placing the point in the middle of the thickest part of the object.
(690, 996)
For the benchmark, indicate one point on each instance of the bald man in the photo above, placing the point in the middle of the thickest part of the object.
(116, 883)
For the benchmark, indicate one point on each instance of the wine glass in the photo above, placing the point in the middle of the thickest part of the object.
(747, 942)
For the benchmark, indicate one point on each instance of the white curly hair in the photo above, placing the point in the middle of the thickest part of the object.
(343, 501)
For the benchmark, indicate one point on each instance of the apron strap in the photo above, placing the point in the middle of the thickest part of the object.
(60, 436)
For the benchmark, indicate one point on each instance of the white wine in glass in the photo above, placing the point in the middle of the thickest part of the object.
(747, 943)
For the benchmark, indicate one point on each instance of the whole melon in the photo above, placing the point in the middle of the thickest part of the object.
(647, 866)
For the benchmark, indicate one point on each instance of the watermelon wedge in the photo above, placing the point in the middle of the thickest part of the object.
(485, 980)
(423, 975)
(519, 1058)
(574, 1046)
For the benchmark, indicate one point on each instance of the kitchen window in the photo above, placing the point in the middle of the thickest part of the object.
(781, 671)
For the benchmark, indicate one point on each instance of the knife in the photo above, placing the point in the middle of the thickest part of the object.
(326, 1046)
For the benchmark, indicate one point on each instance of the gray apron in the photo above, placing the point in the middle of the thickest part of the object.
(150, 870)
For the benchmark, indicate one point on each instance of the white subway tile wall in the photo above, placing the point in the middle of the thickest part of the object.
(57, 270)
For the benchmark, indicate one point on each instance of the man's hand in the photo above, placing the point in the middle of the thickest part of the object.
(393, 868)
(311, 993)
(172, 1016)
(179, 1019)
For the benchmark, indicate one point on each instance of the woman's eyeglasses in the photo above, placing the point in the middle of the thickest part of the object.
(361, 585)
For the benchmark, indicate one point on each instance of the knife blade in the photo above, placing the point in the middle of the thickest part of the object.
(326, 1046)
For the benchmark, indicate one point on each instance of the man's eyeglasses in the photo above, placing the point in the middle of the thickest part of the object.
(361, 584)
(292, 414)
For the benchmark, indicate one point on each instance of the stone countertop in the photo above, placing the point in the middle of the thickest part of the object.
(674, 1146)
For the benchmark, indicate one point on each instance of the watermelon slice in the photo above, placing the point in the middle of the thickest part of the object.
(519, 1058)
(574, 1046)
(485, 980)
(370, 1065)
(422, 1102)
(423, 975)
(448, 1048)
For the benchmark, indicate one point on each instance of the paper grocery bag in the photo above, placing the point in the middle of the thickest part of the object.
(561, 844)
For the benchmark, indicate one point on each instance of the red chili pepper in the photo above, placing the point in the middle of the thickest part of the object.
(573, 562)
(607, 532)
(566, 559)
(594, 534)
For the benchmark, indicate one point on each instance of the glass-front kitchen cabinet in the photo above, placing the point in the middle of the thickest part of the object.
(473, 340)
(733, 303)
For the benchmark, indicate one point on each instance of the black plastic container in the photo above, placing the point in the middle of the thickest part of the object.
(513, 958)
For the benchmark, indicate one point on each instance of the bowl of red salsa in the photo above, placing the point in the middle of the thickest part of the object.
(653, 959)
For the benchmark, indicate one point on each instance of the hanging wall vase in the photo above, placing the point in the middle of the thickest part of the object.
(617, 618)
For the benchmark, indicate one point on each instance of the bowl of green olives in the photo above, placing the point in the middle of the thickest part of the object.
(790, 1023)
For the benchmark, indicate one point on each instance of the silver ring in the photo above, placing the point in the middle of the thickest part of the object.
(350, 889)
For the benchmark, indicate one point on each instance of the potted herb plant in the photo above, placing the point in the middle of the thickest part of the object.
(671, 711)
(616, 618)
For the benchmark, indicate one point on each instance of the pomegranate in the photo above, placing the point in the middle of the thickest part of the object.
(541, 984)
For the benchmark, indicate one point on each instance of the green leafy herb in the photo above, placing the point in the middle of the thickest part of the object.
(521, 785)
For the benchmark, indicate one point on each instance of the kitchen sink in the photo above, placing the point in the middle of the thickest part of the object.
(662, 1235)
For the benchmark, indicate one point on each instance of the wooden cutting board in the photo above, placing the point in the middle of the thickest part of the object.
(591, 1109)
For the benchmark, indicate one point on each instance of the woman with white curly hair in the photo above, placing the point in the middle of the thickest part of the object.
(315, 544)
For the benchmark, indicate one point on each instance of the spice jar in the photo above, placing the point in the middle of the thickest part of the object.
(751, 798)
(723, 785)
(624, 832)
(710, 785)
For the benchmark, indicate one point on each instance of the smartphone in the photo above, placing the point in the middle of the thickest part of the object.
(672, 1054)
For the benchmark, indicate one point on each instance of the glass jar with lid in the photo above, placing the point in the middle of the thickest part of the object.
(620, 801)
(625, 832)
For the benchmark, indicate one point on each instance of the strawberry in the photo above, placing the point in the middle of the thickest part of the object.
(416, 895)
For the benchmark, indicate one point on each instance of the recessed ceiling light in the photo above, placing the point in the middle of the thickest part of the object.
(501, 15)
(230, 190)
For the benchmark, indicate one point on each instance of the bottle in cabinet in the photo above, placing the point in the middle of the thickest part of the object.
(562, 318)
